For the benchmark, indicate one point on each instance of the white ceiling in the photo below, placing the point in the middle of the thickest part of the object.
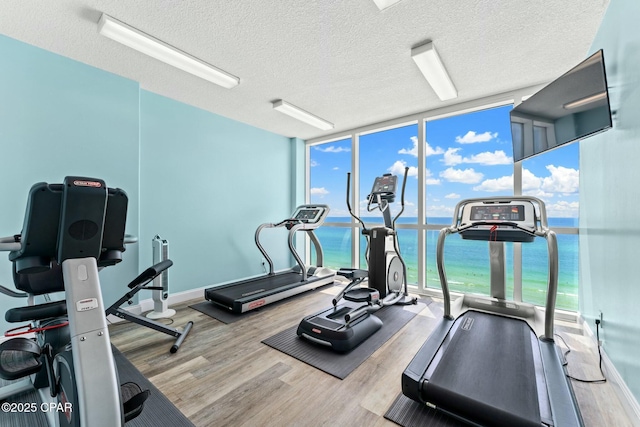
(343, 60)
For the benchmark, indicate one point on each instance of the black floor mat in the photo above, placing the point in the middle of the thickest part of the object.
(340, 365)
(158, 410)
(408, 413)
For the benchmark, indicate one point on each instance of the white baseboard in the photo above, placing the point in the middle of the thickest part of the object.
(627, 398)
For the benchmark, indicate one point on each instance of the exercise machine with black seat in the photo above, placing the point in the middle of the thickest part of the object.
(141, 283)
(344, 326)
(492, 361)
(70, 231)
(253, 293)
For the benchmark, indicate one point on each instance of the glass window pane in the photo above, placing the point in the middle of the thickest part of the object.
(329, 164)
(466, 265)
(390, 151)
(553, 177)
(468, 156)
(336, 247)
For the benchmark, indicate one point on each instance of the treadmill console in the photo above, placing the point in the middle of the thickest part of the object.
(385, 186)
(310, 214)
(512, 221)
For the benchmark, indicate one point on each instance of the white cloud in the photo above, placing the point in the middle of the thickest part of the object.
(451, 158)
(530, 184)
(504, 183)
(488, 158)
(465, 176)
(563, 209)
(398, 169)
(336, 168)
(471, 137)
(452, 196)
(313, 163)
(537, 193)
(530, 181)
(414, 150)
(429, 180)
(429, 151)
(562, 180)
(332, 149)
(439, 210)
(318, 191)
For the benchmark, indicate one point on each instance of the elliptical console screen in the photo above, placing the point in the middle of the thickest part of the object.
(497, 213)
(307, 215)
(385, 184)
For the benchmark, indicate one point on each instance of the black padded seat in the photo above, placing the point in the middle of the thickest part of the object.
(36, 312)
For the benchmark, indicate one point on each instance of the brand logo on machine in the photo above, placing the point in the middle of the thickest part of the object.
(80, 183)
(86, 304)
(468, 323)
(256, 304)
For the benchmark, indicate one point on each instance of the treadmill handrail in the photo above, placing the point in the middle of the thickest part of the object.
(299, 226)
(542, 230)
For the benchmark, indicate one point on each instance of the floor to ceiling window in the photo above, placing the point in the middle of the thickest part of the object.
(461, 156)
(328, 167)
(468, 156)
(392, 151)
(553, 176)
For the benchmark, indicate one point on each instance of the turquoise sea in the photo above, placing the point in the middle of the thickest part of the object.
(467, 262)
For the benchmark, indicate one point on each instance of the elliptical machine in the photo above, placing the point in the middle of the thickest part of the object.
(70, 231)
(344, 326)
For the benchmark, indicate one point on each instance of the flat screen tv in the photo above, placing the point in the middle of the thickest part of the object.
(572, 107)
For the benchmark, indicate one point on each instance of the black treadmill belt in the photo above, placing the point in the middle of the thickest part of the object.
(487, 373)
(255, 288)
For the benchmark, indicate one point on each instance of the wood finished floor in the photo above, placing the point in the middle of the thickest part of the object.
(224, 376)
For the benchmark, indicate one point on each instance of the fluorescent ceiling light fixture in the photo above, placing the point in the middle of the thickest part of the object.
(433, 70)
(584, 101)
(383, 4)
(303, 116)
(135, 39)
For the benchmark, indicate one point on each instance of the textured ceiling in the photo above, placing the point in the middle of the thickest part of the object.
(343, 60)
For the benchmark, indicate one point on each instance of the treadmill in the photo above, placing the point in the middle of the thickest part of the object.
(492, 361)
(249, 294)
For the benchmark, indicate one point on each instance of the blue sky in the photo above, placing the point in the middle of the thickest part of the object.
(466, 156)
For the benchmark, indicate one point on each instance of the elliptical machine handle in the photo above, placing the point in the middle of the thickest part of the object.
(404, 185)
(364, 227)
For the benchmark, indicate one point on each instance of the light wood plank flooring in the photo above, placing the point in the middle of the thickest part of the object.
(224, 376)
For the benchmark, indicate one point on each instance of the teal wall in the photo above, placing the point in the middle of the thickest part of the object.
(610, 202)
(206, 184)
(199, 180)
(59, 117)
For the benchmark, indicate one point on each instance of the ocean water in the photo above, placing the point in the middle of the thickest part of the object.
(467, 262)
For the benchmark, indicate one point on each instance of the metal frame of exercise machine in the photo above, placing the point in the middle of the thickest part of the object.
(70, 231)
(344, 326)
(492, 361)
(250, 294)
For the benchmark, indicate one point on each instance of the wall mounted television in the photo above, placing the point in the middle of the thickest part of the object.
(572, 107)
